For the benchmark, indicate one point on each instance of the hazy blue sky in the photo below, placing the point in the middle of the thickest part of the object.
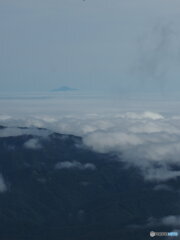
(100, 45)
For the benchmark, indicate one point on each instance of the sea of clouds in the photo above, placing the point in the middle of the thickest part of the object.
(147, 139)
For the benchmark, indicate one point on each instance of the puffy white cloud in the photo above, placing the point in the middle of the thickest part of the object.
(111, 141)
(159, 174)
(3, 186)
(144, 115)
(33, 143)
(76, 165)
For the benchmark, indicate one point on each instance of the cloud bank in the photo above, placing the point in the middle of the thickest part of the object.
(147, 140)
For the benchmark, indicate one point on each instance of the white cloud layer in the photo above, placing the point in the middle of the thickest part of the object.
(148, 140)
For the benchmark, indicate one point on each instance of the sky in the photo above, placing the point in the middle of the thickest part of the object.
(113, 47)
(126, 49)
(122, 48)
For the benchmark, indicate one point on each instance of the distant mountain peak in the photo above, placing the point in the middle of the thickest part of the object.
(64, 89)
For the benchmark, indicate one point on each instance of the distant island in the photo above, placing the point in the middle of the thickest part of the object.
(64, 89)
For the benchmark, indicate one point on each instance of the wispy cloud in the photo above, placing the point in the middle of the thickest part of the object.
(75, 165)
(3, 186)
(33, 143)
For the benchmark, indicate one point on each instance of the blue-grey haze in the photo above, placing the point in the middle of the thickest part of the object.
(115, 47)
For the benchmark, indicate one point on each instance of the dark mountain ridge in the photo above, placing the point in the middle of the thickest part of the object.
(56, 188)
